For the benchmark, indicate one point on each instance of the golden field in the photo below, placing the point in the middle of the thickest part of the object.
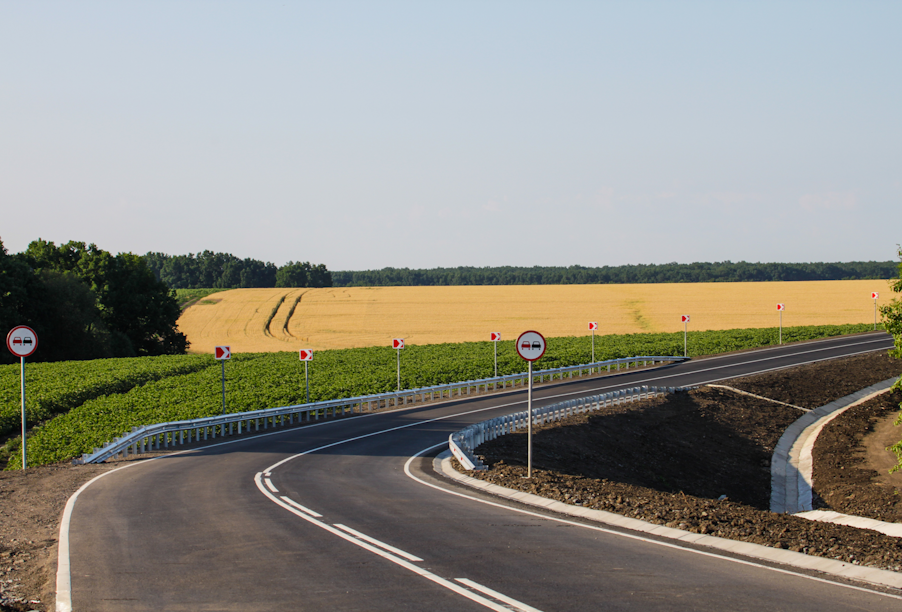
(264, 320)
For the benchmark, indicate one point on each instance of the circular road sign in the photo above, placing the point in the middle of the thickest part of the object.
(531, 345)
(21, 341)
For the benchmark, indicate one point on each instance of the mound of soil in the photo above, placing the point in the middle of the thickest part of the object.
(671, 460)
(859, 482)
(31, 505)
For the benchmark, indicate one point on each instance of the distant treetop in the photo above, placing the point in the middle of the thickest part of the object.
(725, 271)
(225, 271)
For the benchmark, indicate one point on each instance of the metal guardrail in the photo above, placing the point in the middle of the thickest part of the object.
(463, 443)
(163, 435)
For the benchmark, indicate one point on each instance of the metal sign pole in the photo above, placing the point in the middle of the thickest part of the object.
(399, 370)
(307, 381)
(529, 426)
(875, 314)
(685, 335)
(24, 453)
(222, 363)
(781, 327)
(496, 356)
(593, 345)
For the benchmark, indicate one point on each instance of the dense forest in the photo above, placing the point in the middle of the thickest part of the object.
(725, 271)
(85, 303)
(209, 270)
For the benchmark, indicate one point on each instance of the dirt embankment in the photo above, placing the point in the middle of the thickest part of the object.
(670, 460)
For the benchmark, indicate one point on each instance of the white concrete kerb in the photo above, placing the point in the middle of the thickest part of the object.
(792, 466)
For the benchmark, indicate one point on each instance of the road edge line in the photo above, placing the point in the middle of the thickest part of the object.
(63, 567)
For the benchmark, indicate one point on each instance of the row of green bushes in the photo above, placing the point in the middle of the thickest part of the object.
(102, 399)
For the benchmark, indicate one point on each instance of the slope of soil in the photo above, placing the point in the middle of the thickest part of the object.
(31, 505)
(850, 482)
(670, 460)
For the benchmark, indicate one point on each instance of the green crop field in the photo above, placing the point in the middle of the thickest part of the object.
(80, 405)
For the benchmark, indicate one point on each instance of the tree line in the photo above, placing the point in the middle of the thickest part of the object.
(85, 303)
(725, 271)
(209, 270)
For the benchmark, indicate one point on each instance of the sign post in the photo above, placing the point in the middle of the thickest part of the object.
(496, 336)
(874, 296)
(398, 344)
(780, 309)
(22, 342)
(306, 355)
(685, 320)
(530, 346)
(593, 326)
(223, 354)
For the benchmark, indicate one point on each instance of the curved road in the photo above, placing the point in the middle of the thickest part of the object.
(326, 517)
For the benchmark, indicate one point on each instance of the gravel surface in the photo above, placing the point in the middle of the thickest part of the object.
(700, 461)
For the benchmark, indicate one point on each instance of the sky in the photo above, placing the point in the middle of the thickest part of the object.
(423, 134)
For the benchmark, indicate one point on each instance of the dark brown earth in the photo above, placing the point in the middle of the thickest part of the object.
(665, 461)
(669, 460)
(859, 482)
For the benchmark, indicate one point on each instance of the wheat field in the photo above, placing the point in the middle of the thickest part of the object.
(265, 320)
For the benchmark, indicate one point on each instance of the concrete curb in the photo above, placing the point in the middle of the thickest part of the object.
(871, 575)
(792, 467)
(827, 516)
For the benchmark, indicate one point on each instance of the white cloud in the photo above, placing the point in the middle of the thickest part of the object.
(813, 202)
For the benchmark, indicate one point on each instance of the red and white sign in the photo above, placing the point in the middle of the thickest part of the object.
(874, 295)
(21, 341)
(496, 336)
(223, 352)
(593, 326)
(397, 343)
(531, 345)
(684, 318)
(305, 354)
(781, 307)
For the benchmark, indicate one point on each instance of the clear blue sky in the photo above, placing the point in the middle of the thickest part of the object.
(423, 134)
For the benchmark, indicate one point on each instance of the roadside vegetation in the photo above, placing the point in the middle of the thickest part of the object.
(121, 394)
(892, 319)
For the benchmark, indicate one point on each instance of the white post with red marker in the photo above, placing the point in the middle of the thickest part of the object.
(306, 355)
(874, 296)
(593, 325)
(22, 341)
(398, 344)
(685, 320)
(530, 346)
(496, 337)
(780, 309)
(222, 354)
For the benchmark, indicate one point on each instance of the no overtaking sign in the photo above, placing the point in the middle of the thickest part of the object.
(531, 345)
(21, 341)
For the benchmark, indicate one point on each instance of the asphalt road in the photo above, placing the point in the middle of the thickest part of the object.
(326, 517)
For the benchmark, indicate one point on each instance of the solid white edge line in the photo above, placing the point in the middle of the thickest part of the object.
(270, 485)
(63, 569)
(519, 605)
(375, 542)
(312, 513)
(384, 554)
(630, 535)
